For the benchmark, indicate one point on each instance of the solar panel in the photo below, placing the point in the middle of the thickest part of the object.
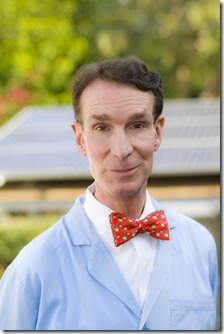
(38, 143)
(191, 138)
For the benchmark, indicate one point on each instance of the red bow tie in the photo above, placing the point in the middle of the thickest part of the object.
(124, 228)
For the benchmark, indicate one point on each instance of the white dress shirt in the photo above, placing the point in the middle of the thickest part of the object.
(136, 257)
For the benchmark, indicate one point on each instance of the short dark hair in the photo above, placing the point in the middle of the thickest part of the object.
(129, 70)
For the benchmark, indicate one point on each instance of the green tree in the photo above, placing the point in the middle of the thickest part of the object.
(43, 42)
(179, 38)
(39, 51)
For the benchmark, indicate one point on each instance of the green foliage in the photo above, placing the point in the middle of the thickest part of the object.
(15, 234)
(43, 42)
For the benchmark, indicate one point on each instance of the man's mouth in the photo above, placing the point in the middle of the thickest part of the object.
(124, 170)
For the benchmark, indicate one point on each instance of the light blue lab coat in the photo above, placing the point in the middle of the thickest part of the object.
(66, 279)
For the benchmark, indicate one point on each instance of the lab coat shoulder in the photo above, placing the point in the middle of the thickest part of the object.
(187, 229)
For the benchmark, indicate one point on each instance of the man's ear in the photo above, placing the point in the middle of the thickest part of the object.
(79, 138)
(158, 131)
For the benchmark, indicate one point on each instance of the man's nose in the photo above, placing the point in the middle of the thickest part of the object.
(121, 146)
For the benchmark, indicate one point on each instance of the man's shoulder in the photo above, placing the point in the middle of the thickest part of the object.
(47, 246)
(42, 247)
(43, 258)
(186, 226)
(54, 236)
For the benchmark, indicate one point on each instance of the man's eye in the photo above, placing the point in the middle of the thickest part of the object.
(101, 128)
(138, 126)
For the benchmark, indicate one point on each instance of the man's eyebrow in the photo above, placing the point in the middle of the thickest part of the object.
(100, 117)
(139, 115)
(106, 117)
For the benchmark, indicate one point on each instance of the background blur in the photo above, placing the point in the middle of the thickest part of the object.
(42, 43)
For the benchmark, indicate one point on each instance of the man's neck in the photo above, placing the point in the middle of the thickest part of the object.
(131, 205)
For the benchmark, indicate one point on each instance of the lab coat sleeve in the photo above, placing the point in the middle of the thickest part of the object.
(12, 294)
(213, 269)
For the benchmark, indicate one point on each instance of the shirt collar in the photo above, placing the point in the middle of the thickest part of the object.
(98, 213)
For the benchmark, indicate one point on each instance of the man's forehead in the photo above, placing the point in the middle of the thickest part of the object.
(111, 93)
(98, 84)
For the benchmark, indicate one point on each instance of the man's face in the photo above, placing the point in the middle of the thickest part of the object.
(119, 137)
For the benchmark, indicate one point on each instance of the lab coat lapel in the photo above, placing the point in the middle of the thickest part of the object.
(166, 253)
(103, 268)
(100, 263)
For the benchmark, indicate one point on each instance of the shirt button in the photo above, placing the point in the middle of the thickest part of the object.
(146, 266)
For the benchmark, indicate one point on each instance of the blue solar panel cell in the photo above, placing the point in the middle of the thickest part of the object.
(180, 132)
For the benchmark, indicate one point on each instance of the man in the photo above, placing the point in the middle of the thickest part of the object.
(154, 273)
